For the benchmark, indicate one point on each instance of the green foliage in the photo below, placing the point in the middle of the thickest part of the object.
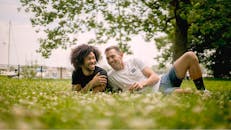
(210, 35)
(62, 21)
(202, 26)
(29, 71)
(50, 104)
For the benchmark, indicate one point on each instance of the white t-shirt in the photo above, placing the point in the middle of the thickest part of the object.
(131, 73)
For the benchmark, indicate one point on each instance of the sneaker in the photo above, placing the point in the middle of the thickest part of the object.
(206, 92)
(203, 92)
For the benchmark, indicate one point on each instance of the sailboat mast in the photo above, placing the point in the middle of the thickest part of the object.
(9, 41)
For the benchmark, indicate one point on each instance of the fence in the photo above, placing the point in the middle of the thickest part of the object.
(35, 71)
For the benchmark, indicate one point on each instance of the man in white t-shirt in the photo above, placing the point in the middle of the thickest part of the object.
(134, 75)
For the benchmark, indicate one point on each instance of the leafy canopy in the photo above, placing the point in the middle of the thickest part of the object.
(63, 20)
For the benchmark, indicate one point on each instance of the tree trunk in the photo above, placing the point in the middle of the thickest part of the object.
(181, 32)
(222, 62)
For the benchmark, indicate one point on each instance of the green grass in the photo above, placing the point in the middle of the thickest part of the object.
(36, 104)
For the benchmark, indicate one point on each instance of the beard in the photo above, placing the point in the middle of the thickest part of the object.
(90, 67)
(116, 66)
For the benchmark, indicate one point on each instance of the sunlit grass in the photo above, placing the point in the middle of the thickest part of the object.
(36, 104)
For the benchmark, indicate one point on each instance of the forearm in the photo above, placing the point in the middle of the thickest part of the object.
(87, 87)
(99, 88)
(153, 79)
(76, 87)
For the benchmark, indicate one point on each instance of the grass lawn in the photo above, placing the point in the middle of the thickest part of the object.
(39, 104)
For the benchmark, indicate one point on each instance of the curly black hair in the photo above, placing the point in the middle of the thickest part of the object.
(80, 52)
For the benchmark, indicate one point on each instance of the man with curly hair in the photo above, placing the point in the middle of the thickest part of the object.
(87, 76)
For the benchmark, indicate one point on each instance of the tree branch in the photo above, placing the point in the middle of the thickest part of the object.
(151, 5)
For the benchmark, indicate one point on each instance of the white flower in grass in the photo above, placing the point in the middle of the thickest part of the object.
(110, 101)
(22, 112)
(206, 96)
(172, 100)
(89, 108)
(197, 109)
(24, 102)
(103, 123)
(158, 104)
(109, 113)
(146, 100)
(23, 125)
(125, 94)
(170, 112)
(135, 96)
(101, 95)
(124, 114)
(2, 98)
(25, 93)
(3, 125)
(36, 123)
(18, 111)
(6, 103)
(64, 119)
(148, 109)
(51, 98)
(140, 123)
(40, 93)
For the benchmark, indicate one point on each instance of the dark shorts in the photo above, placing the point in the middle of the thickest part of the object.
(169, 82)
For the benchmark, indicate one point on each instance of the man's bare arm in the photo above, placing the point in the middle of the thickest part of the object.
(99, 88)
(152, 78)
(76, 87)
(97, 84)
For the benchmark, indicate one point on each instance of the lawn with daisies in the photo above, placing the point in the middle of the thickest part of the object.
(50, 104)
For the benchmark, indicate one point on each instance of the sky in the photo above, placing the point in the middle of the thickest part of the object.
(24, 43)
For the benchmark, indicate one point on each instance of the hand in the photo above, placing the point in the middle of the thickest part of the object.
(99, 80)
(96, 81)
(136, 86)
(76, 87)
(100, 88)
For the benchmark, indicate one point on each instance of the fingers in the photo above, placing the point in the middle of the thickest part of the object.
(97, 74)
(103, 80)
(135, 86)
(100, 76)
(100, 79)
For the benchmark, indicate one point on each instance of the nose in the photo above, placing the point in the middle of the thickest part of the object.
(93, 60)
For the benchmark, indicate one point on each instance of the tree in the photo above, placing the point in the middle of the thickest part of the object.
(210, 35)
(118, 19)
(63, 20)
(208, 31)
(29, 71)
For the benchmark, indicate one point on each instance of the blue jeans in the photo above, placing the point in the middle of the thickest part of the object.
(169, 82)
